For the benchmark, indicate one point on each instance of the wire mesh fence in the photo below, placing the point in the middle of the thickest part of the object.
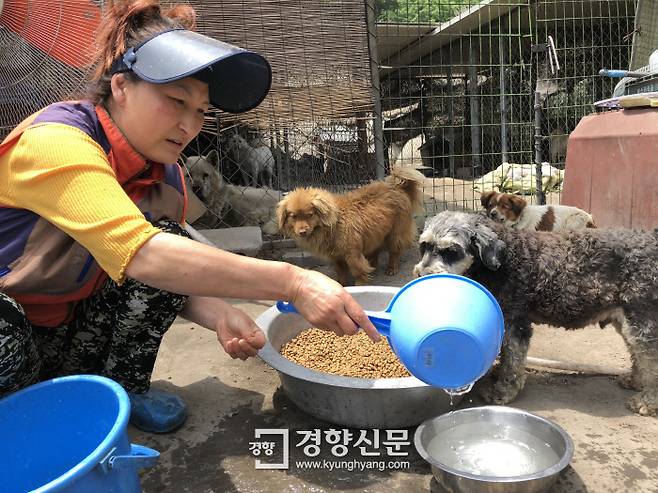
(587, 36)
(456, 92)
(459, 80)
(475, 94)
(44, 50)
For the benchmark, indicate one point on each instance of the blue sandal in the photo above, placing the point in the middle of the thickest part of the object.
(157, 411)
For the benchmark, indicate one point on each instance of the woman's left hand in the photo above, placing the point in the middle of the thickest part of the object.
(238, 334)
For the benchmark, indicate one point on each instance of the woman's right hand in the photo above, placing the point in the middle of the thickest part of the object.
(328, 306)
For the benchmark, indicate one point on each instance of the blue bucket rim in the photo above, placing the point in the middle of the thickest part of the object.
(458, 277)
(94, 458)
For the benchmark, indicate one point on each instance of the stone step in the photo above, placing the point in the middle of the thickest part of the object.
(246, 240)
(302, 259)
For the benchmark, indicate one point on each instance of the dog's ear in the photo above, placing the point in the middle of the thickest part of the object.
(213, 158)
(485, 198)
(517, 203)
(491, 249)
(282, 214)
(326, 209)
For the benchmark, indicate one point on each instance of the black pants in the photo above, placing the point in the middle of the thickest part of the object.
(115, 333)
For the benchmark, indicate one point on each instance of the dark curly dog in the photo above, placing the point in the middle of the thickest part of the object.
(566, 280)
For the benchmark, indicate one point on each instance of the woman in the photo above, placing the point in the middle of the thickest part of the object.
(94, 262)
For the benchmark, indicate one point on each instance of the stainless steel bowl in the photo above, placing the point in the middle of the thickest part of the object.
(353, 402)
(494, 449)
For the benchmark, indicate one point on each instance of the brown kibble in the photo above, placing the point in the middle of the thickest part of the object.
(349, 356)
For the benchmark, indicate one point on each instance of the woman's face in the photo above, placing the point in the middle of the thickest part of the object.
(159, 120)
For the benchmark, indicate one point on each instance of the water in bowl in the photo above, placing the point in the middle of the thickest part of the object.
(488, 449)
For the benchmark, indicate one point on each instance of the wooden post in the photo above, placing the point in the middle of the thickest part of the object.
(539, 192)
(362, 142)
(378, 126)
(286, 157)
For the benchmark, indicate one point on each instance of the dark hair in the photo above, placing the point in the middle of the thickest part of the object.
(125, 24)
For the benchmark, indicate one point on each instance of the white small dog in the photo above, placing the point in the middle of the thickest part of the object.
(230, 205)
(209, 186)
(512, 210)
(254, 162)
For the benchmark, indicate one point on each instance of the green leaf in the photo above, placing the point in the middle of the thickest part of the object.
(420, 11)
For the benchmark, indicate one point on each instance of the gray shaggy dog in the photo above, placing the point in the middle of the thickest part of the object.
(563, 279)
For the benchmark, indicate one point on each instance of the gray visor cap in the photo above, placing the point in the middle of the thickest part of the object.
(238, 80)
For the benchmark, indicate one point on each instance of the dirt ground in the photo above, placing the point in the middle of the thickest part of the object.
(615, 450)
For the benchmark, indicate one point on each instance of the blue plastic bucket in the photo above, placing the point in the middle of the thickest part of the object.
(446, 329)
(69, 435)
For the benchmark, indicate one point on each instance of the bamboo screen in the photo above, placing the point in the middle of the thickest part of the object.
(318, 50)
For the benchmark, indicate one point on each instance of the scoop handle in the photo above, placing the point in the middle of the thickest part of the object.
(286, 307)
(381, 320)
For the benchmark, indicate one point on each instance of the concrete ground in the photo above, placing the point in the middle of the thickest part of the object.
(615, 450)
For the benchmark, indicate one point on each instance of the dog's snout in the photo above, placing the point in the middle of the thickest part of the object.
(423, 268)
(496, 216)
(302, 229)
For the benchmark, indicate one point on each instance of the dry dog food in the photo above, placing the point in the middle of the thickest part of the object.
(349, 356)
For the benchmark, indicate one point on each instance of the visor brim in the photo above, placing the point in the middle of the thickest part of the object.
(238, 80)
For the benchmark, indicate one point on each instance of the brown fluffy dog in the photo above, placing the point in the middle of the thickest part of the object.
(351, 229)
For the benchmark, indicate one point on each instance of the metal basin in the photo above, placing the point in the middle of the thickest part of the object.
(494, 449)
(347, 401)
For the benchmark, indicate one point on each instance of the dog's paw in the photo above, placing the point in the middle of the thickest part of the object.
(391, 271)
(628, 381)
(374, 262)
(363, 280)
(644, 403)
(501, 391)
